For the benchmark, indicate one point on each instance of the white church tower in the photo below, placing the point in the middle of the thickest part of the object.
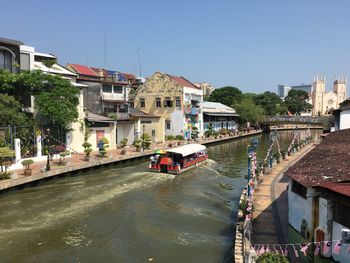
(318, 91)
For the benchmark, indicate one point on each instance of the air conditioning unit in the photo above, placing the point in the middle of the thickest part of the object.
(345, 235)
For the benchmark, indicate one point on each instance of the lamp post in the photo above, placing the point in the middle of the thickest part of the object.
(48, 168)
(251, 151)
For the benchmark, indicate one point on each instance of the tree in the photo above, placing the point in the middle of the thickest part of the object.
(55, 97)
(297, 101)
(226, 95)
(249, 111)
(11, 111)
(269, 101)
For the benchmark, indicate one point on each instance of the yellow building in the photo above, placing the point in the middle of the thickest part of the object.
(176, 101)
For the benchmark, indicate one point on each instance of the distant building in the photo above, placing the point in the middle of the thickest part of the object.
(206, 88)
(176, 100)
(319, 197)
(218, 116)
(342, 116)
(325, 102)
(283, 90)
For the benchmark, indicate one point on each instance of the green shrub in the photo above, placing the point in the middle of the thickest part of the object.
(105, 141)
(179, 137)
(272, 258)
(146, 141)
(6, 155)
(5, 175)
(27, 163)
(124, 142)
(169, 137)
(86, 145)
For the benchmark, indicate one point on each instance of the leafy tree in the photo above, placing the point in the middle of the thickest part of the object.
(269, 101)
(249, 111)
(55, 97)
(11, 111)
(226, 95)
(297, 101)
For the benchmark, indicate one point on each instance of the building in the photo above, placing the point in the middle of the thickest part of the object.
(283, 90)
(176, 100)
(342, 116)
(319, 195)
(325, 102)
(207, 89)
(218, 116)
(10, 56)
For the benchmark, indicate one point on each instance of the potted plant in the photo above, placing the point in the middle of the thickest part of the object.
(283, 153)
(170, 138)
(27, 170)
(6, 155)
(102, 147)
(146, 141)
(179, 139)
(277, 156)
(137, 144)
(87, 150)
(63, 155)
(272, 257)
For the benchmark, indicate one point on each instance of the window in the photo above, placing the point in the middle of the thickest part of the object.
(158, 103)
(178, 103)
(341, 214)
(6, 60)
(25, 61)
(123, 108)
(107, 88)
(168, 103)
(118, 89)
(168, 125)
(299, 189)
(153, 133)
(142, 103)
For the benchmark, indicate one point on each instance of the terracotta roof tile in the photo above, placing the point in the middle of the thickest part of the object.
(84, 70)
(328, 162)
(182, 81)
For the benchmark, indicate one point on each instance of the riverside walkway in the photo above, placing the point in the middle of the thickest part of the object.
(270, 222)
(76, 162)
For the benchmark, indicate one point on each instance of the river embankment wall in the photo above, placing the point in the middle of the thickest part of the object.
(20, 180)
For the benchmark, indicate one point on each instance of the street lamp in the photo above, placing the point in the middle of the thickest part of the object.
(251, 151)
(48, 150)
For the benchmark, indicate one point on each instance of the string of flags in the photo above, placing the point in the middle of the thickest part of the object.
(324, 247)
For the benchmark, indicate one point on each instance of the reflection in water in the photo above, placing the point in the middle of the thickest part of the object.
(124, 214)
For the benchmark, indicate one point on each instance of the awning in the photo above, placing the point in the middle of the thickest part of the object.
(221, 114)
(187, 149)
(92, 117)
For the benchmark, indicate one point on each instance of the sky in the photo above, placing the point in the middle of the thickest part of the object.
(250, 44)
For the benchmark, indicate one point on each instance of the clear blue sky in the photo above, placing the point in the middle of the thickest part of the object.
(251, 44)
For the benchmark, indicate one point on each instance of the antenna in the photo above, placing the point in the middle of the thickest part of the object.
(139, 58)
(104, 51)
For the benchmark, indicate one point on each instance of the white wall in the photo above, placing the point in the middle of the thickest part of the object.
(299, 208)
(344, 256)
(177, 123)
(125, 130)
(344, 119)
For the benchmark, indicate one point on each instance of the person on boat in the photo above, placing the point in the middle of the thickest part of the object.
(153, 159)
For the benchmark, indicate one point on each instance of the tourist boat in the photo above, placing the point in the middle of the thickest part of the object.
(179, 159)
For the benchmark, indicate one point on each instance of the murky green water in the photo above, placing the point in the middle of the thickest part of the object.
(125, 214)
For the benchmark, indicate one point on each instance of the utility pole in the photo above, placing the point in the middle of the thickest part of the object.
(139, 59)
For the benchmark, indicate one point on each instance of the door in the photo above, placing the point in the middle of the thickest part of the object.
(99, 135)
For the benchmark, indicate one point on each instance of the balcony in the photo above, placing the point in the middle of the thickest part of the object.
(191, 110)
(108, 96)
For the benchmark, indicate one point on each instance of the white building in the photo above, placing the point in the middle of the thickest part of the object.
(319, 195)
(283, 90)
(218, 116)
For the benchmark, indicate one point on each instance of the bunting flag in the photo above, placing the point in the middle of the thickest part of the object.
(304, 248)
(337, 248)
(326, 247)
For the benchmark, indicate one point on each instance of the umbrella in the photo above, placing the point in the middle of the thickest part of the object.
(160, 152)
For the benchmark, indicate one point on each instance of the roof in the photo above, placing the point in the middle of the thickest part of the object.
(327, 163)
(217, 108)
(97, 118)
(340, 188)
(84, 70)
(11, 41)
(138, 113)
(55, 69)
(45, 55)
(182, 81)
(187, 149)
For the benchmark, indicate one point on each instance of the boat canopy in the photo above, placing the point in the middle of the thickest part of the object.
(187, 149)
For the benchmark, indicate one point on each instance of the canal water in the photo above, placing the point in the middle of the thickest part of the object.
(125, 214)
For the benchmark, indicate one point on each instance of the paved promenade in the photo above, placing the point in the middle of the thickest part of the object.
(270, 223)
(77, 163)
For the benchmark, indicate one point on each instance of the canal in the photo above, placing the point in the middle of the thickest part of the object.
(126, 214)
